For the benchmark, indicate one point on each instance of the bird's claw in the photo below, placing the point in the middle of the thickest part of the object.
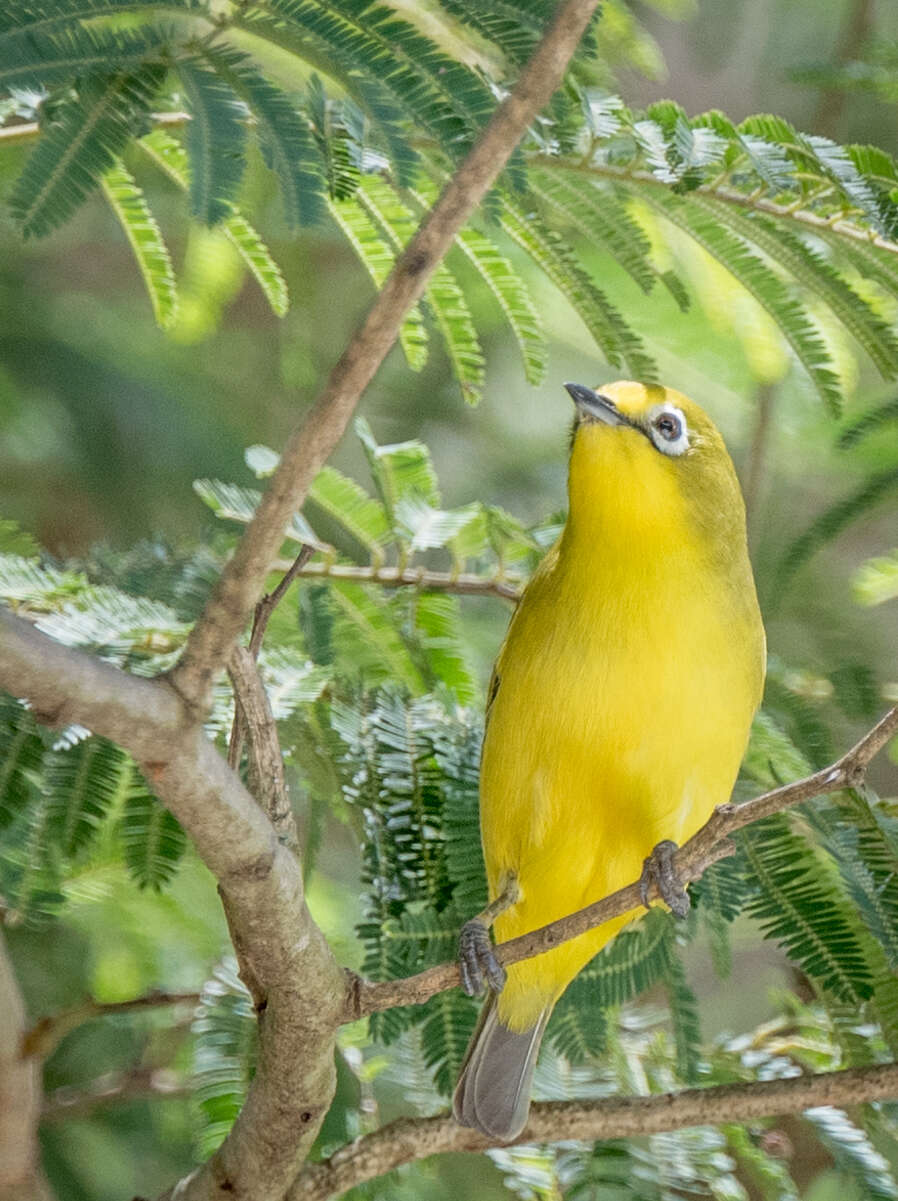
(659, 869)
(477, 959)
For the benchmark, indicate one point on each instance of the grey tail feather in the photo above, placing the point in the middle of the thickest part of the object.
(493, 1090)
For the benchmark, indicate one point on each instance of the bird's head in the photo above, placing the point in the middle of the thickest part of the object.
(648, 463)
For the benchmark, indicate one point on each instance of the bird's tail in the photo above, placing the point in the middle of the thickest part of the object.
(493, 1090)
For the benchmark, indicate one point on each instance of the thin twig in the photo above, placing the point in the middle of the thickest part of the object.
(507, 587)
(46, 1033)
(138, 1084)
(693, 858)
(271, 600)
(261, 618)
(266, 761)
(409, 1139)
(28, 130)
(209, 645)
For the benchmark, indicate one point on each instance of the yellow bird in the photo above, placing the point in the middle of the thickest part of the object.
(618, 712)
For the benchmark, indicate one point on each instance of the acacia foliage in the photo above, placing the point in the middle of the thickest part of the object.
(804, 225)
(379, 715)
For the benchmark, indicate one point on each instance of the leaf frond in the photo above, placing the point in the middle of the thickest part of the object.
(81, 144)
(127, 201)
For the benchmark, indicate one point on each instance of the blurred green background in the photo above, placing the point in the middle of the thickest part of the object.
(105, 422)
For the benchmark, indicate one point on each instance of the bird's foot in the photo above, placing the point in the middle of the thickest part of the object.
(477, 959)
(659, 869)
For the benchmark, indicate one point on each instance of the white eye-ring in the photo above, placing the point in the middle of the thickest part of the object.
(668, 430)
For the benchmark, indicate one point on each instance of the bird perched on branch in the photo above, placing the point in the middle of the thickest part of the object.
(618, 711)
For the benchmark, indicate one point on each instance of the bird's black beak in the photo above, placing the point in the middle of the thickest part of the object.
(596, 407)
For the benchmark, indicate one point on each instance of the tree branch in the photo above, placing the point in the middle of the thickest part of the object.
(138, 1084)
(20, 1097)
(409, 1139)
(704, 848)
(261, 618)
(227, 609)
(48, 1032)
(753, 203)
(299, 985)
(26, 131)
(266, 761)
(507, 587)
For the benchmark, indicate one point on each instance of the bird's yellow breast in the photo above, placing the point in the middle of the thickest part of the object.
(626, 688)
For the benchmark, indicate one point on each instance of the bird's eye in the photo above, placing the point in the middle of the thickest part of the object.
(669, 426)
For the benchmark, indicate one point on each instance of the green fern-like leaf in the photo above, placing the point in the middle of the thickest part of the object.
(864, 842)
(363, 517)
(30, 866)
(322, 40)
(869, 261)
(32, 584)
(617, 341)
(152, 840)
(790, 315)
(420, 526)
(639, 957)
(579, 1034)
(513, 29)
(448, 1022)
(796, 905)
(817, 276)
(216, 142)
(366, 631)
(34, 16)
(399, 469)
(510, 290)
(21, 752)
(168, 154)
(224, 1055)
(459, 761)
(377, 256)
(401, 48)
(802, 721)
(82, 786)
(393, 766)
(257, 257)
(38, 61)
(438, 629)
(853, 1152)
(720, 897)
(769, 1174)
(233, 503)
(684, 1019)
(290, 680)
(443, 297)
(80, 145)
(286, 139)
(600, 217)
(407, 68)
(871, 421)
(130, 207)
(340, 134)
